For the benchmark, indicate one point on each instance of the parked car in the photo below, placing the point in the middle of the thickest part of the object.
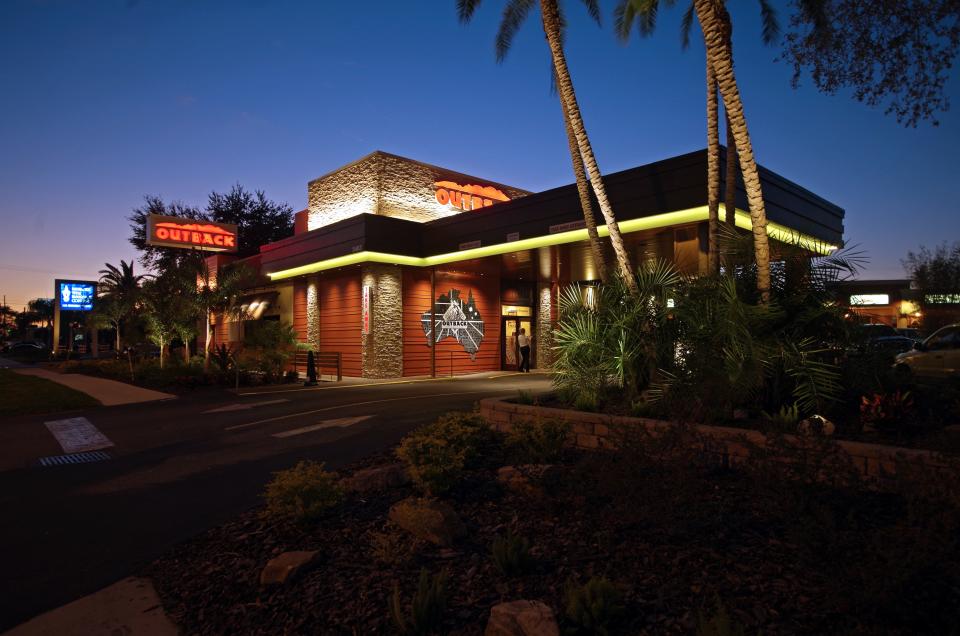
(937, 357)
(26, 347)
(892, 344)
(910, 332)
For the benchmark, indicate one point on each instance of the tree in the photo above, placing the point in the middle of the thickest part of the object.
(168, 305)
(644, 14)
(936, 270)
(42, 308)
(897, 54)
(220, 292)
(258, 219)
(120, 287)
(109, 312)
(514, 14)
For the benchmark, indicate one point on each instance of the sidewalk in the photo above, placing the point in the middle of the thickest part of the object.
(128, 607)
(108, 392)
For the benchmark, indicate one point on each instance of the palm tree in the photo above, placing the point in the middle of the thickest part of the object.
(644, 13)
(220, 293)
(121, 292)
(514, 14)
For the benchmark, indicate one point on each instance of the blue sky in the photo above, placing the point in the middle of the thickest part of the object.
(105, 101)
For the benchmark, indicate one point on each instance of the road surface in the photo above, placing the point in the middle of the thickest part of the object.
(182, 466)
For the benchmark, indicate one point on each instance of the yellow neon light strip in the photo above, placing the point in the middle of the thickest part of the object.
(693, 215)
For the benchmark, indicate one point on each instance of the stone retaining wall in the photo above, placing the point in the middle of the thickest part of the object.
(593, 431)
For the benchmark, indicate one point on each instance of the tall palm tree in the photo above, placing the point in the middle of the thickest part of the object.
(219, 292)
(515, 12)
(583, 189)
(644, 14)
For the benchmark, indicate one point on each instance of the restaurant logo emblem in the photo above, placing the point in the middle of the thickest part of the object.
(169, 231)
(454, 319)
(467, 197)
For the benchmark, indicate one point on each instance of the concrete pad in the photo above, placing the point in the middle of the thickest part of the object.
(108, 392)
(130, 606)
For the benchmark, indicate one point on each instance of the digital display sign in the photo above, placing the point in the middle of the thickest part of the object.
(870, 299)
(76, 295)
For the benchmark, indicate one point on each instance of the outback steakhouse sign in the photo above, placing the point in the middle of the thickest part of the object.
(171, 231)
(467, 197)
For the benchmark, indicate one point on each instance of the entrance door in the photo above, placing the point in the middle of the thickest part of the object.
(510, 350)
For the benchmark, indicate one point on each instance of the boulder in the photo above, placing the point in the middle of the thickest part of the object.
(377, 479)
(428, 519)
(522, 618)
(816, 425)
(287, 566)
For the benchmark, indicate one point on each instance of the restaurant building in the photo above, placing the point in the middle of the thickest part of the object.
(409, 269)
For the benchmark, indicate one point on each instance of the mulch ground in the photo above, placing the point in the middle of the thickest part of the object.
(710, 538)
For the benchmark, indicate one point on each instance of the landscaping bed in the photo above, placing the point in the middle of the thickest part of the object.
(683, 541)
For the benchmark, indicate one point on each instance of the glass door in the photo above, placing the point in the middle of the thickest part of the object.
(510, 348)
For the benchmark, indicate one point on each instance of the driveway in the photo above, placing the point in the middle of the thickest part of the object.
(177, 468)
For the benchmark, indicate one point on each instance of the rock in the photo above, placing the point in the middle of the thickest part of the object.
(522, 618)
(287, 566)
(816, 425)
(528, 478)
(377, 479)
(428, 519)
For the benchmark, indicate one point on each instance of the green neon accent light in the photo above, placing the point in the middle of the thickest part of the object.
(680, 217)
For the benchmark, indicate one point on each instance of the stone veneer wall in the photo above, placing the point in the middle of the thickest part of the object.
(381, 183)
(313, 313)
(591, 431)
(383, 346)
(544, 336)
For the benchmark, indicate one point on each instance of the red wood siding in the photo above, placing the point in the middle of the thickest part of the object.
(451, 358)
(300, 310)
(340, 318)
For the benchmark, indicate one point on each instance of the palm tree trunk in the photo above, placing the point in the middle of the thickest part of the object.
(186, 351)
(551, 27)
(583, 188)
(713, 171)
(722, 61)
(117, 346)
(730, 189)
(206, 342)
(161, 354)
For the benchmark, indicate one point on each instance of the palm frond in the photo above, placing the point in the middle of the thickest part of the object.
(686, 25)
(771, 25)
(466, 9)
(514, 14)
(593, 9)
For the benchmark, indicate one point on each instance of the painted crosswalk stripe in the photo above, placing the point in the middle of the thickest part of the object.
(340, 422)
(244, 407)
(77, 435)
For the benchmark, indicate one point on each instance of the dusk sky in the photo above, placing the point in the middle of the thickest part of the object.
(105, 101)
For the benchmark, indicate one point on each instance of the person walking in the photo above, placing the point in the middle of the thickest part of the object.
(523, 341)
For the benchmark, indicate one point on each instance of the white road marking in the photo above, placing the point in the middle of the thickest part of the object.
(244, 407)
(341, 422)
(77, 434)
(346, 406)
(353, 386)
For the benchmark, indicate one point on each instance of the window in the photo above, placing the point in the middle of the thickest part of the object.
(946, 338)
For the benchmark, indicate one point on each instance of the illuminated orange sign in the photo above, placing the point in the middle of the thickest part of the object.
(467, 197)
(169, 231)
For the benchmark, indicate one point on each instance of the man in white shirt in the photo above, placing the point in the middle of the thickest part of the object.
(523, 341)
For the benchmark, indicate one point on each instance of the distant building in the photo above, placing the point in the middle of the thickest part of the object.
(890, 302)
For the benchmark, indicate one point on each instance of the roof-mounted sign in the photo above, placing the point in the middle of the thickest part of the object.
(171, 231)
(467, 197)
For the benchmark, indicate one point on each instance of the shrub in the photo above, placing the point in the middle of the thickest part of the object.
(594, 607)
(511, 554)
(434, 464)
(437, 454)
(524, 397)
(537, 442)
(887, 411)
(426, 608)
(391, 548)
(785, 420)
(718, 623)
(222, 356)
(302, 493)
